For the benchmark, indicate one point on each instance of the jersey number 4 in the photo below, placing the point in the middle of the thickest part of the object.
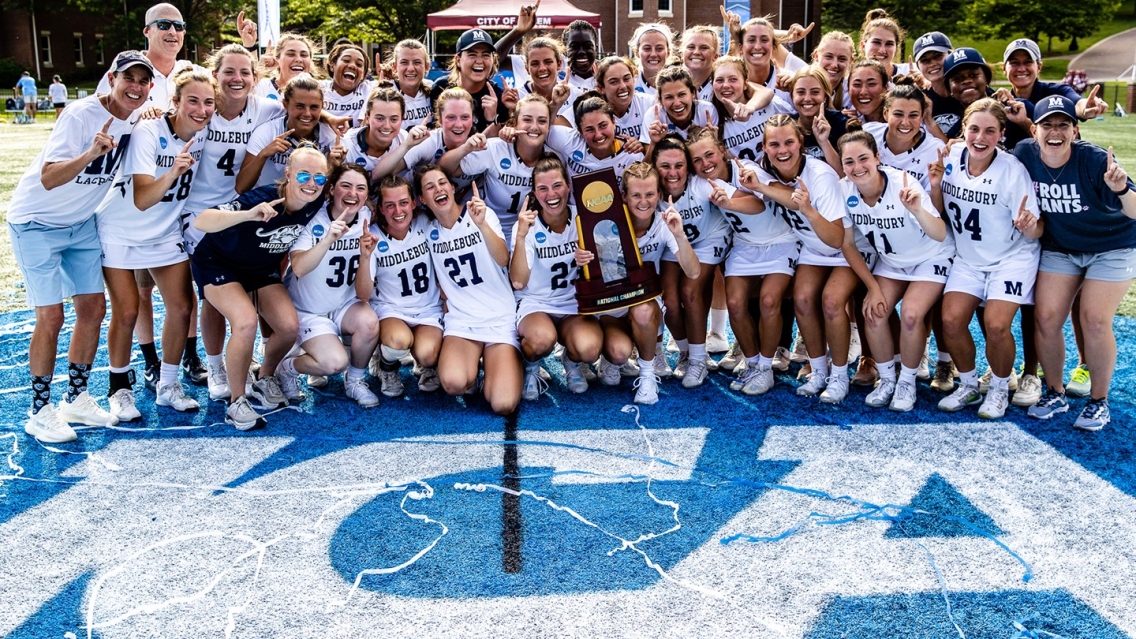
(455, 272)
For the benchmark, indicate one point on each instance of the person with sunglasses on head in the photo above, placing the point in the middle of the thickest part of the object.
(240, 253)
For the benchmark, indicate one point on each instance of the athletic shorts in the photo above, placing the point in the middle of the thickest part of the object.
(58, 262)
(622, 312)
(207, 271)
(934, 270)
(412, 316)
(809, 257)
(527, 307)
(58, 105)
(143, 257)
(500, 334)
(711, 250)
(316, 324)
(1110, 266)
(189, 233)
(1012, 281)
(747, 260)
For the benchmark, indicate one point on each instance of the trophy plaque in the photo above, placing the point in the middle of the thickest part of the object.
(617, 277)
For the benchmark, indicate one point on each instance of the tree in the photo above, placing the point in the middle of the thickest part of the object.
(1032, 18)
(372, 20)
(916, 17)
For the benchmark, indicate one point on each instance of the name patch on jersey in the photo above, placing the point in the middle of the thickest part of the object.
(409, 254)
(229, 137)
(749, 135)
(885, 223)
(969, 195)
(458, 243)
(692, 213)
(509, 179)
(551, 252)
(416, 113)
(345, 244)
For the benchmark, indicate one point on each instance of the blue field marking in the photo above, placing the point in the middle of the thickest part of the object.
(938, 496)
(59, 611)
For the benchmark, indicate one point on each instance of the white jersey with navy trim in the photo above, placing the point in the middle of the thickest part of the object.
(507, 179)
(981, 210)
(656, 242)
(161, 91)
(477, 288)
(355, 141)
(889, 228)
(552, 264)
(403, 270)
(915, 160)
(641, 85)
(74, 201)
(825, 191)
(264, 134)
(631, 123)
(701, 220)
(744, 139)
(331, 285)
(418, 109)
(703, 112)
(226, 142)
(352, 105)
(763, 229)
(431, 150)
(153, 148)
(571, 147)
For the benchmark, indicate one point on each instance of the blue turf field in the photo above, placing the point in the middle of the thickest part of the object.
(708, 514)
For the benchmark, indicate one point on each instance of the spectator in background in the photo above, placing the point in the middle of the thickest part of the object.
(26, 86)
(58, 92)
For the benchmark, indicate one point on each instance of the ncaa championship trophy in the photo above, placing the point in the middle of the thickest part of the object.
(617, 277)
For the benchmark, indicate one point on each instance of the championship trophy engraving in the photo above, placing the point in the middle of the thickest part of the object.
(617, 277)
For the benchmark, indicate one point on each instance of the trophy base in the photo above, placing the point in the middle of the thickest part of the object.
(595, 297)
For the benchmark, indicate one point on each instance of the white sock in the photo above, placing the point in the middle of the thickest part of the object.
(697, 352)
(764, 362)
(124, 369)
(646, 367)
(907, 375)
(999, 382)
(839, 371)
(287, 366)
(970, 378)
(216, 362)
(753, 362)
(683, 345)
(887, 370)
(820, 365)
(718, 319)
(896, 359)
(944, 357)
(354, 374)
(169, 375)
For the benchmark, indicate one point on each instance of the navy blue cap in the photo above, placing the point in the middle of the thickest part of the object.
(1054, 105)
(965, 57)
(472, 38)
(934, 41)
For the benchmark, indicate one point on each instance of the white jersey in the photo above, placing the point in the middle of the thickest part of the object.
(705, 92)
(352, 105)
(161, 91)
(75, 201)
(981, 210)
(763, 229)
(153, 148)
(889, 228)
(403, 270)
(552, 265)
(744, 139)
(915, 161)
(572, 148)
(331, 285)
(226, 143)
(264, 134)
(641, 85)
(566, 110)
(418, 109)
(703, 112)
(701, 220)
(657, 241)
(824, 189)
(58, 93)
(507, 179)
(477, 289)
(581, 85)
(355, 141)
(431, 150)
(631, 123)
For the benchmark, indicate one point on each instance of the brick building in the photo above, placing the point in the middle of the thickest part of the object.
(66, 42)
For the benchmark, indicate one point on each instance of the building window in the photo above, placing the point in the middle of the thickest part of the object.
(665, 8)
(45, 47)
(100, 57)
(636, 9)
(78, 49)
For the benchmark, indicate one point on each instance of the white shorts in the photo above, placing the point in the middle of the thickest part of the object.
(316, 324)
(1010, 282)
(809, 257)
(412, 316)
(622, 312)
(529, 306)
(711, 250)
(146, 256)
(746, 260)
(500, 334)
(189, 233)
(933, 270)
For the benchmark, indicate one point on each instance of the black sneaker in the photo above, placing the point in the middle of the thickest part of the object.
(150, 377)
(194, 371)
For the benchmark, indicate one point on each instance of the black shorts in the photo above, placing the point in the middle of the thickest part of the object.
(208, 271)
(58, 105)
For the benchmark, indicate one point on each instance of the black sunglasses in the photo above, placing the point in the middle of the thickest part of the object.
(164, 25)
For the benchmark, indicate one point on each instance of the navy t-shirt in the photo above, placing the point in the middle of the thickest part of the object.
(1013, 135)
(945, 110)
(839, 123)
(253, 246)
(1042, 89)
(1081, 214)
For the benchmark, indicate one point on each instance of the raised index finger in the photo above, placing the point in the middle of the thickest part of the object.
(1110, 161)
(185, 149)
(1093, 93)
(905, 179)
(288, 133)
(106, 127)
(240, 19)
(535, 7)
(1025, 198)
(473, 189)
(275, 203)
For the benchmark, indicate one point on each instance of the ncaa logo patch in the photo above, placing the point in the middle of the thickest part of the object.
(505, 164)
(578, 156)
(540, 237)
(318, 230)
(434, 234)
(383, 247)
(949, 169)
(162, 141)
(853, 201)
(361, 161)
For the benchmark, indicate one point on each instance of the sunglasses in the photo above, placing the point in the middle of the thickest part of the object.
(303, 176)
(164, 25)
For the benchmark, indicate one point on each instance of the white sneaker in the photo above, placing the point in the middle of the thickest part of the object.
(646, 389)
(242, 415)
(962, 397)
(696, 372)
(428, 380)
(390, 383)
(608, 373)
(904, 398)
(290, 385)
(760, 383)
(122, 405)
(218, 384)
(732, 359)
(662, 367)
(781, 359)
(406, 360)
(173, 396)
(995, 405)
(85, 411)
(882, 394)
(373, 366)
(854, 348)
(317, 381)
(534, 386)
(984, 381)
(47, 427)
(630, 368)
(924, 369)
(574, 375)
(836, 391)
(743, 378)
(1029, 391)
(814, 385)
(716, 343)
(267, 391)
(358, 390)
(681, 365)
(799, 354)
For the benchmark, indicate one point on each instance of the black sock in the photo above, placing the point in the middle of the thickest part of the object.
(119, 381)
(190, 352)
(77, 375)
(41, 392)
(150, 354)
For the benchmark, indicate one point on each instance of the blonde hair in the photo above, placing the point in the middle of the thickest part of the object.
(644, 29)
(285, 38)
(880, 19)
(304, 149)
(701, 29)
(218, 58)
(409, 44)
(642, 171)
(836, 93)
(386, 94)
(987, 105)
(814, 72)
(189, 75)
(447, 96)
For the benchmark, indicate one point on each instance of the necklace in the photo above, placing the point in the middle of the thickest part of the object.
(1053, 178)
